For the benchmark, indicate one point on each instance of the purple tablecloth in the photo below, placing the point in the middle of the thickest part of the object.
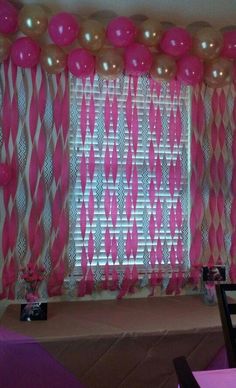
(25, 364)
(223, 378)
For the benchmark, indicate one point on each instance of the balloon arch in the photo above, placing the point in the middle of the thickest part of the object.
(192, 55)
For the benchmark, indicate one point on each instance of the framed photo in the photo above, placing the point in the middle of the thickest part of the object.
(214, 274)
(35, 311)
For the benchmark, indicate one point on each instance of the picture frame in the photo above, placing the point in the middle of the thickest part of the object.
(35, 311)
(216, 273)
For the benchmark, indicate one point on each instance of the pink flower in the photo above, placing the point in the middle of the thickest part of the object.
(32, 275)
(30, 297)
(30, 267)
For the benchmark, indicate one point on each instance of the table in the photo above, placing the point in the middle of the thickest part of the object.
(125, 343)
(223, 378)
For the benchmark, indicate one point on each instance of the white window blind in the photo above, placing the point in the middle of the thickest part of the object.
(161, 148)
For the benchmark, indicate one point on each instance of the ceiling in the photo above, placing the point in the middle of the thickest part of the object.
(219, 13)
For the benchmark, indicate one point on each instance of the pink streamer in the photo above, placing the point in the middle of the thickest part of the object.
(107, 163)
(91, 115)
(91, 163)
(107, 242)
(135, 129)
(152, 227)
(83, 119)
(135, 187)
(91, 207)
(107, 115)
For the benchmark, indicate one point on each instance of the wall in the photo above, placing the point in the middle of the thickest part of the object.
(219, 13)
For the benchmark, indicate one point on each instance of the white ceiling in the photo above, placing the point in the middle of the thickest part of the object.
(219, 13)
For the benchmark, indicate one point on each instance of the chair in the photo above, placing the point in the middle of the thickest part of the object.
(184, 373)
(226, 309)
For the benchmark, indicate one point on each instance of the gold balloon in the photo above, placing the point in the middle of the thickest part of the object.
(150, 32)
(92, 35)
(103, 16)
(53, 59)
(109, 63)
(138, 19)
(231, 27)
(5, 45)
(196, 26)
(218, 72)
(167, 25)
(207, 43)
(163, 68)
(32, 20)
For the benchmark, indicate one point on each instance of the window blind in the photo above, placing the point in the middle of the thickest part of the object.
(130, 168)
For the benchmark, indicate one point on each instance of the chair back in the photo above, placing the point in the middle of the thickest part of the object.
(184, 373)
(226, 309)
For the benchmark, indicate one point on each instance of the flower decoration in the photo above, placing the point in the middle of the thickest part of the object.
(32, 275)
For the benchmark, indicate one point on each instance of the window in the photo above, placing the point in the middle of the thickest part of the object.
(130, 171)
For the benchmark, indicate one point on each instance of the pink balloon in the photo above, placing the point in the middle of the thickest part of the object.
(176, 41)
(63, 28)
(229, 46)
(121, 31)
(190, 70)
(25, 52)
(8, 18)
(138, 59)
(81, 63)
(5, 174)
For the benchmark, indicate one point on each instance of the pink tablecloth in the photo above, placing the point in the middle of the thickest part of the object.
(223, 378)
(124, 343)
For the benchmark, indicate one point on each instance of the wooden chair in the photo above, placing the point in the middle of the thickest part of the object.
(184, 373)
(226, 309)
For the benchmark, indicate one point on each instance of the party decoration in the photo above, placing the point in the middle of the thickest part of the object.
(229, 45)
(138, 19)
(177, 52)
(138, 59)
(63, 29)
(109, 63)
(207, 43)
(121, 31)
(92, 35)
(53, 59)
(5, 45)
(190, 70)
(25, 52)
(149, 32)
(163, 68)
(176, 42)
(5, 174)
(103, 16)
(8, 18)
(166, 25)
(231, 27)
(218, 72)
(196, 26)
(81, 63)
(32, 20)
